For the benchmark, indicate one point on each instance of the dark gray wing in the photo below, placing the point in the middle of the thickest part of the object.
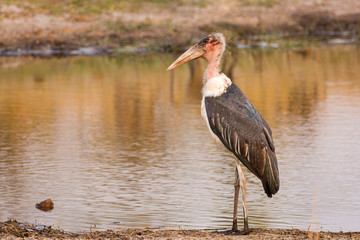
(243, 131)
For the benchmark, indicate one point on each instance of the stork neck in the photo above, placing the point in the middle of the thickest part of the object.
(213, 69)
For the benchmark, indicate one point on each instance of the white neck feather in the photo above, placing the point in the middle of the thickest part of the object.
(216, 86)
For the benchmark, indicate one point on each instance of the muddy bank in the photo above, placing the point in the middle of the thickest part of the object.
(170, 26)
(13, 229)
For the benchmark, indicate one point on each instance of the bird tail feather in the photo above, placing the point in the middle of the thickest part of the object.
(271, 180)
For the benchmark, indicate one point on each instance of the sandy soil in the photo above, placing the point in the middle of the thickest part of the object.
(174, 25)
(13, 229)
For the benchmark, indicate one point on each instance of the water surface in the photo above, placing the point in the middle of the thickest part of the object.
(119, 141)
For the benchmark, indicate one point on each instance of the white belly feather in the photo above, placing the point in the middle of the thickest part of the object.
(213, 87)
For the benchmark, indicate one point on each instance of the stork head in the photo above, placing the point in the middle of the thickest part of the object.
(210, 47)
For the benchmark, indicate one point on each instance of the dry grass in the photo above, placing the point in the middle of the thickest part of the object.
(49, 24)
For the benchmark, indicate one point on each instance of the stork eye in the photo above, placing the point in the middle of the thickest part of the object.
(214, 42)
(205, 41)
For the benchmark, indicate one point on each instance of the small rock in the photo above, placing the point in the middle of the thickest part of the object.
(45, 205)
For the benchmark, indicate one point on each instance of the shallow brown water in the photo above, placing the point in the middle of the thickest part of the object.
(119, 141)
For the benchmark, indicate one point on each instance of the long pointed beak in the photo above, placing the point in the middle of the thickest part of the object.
(192, 53)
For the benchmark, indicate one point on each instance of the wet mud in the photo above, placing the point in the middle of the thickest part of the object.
(13, 229)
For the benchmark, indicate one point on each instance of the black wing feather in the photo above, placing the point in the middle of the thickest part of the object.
(241, 128)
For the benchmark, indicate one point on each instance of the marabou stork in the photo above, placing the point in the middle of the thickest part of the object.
(232, 119)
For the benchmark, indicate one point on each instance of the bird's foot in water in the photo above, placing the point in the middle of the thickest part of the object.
(243, 232)
(236, 232)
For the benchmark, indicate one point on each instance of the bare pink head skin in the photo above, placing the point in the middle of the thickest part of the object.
(211, 48)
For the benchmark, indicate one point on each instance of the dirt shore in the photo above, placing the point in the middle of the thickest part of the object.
(170, 26)
(13, 229)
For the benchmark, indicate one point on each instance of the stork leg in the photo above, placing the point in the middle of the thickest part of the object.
(236, 199)
(240, 182)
